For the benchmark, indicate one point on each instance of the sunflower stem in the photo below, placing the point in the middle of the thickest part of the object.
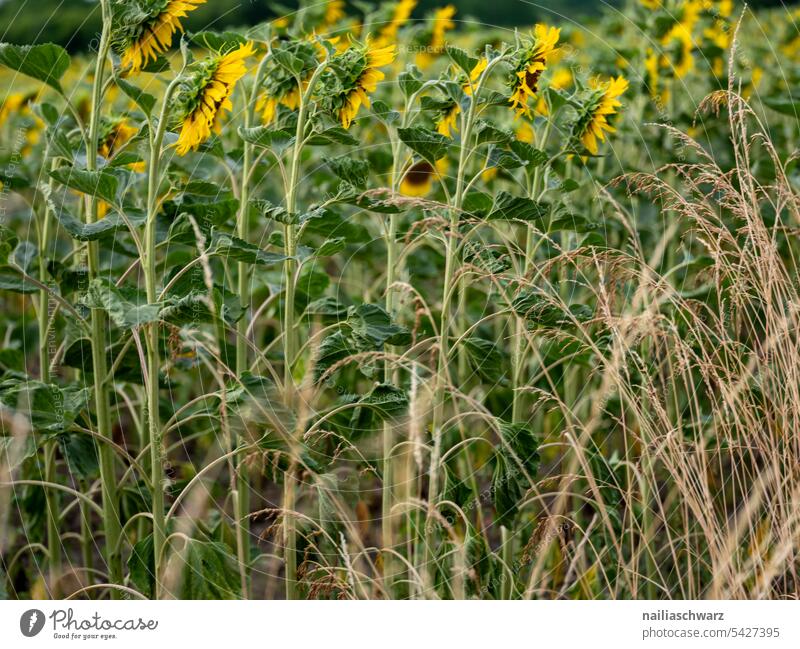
(111, 517)
(154, 436)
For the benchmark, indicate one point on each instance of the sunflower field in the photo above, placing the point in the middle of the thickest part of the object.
(365, 302)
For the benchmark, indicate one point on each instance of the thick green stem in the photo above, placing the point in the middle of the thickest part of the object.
(151, 342)
(111, 517)
(241, 495)
(291, 478)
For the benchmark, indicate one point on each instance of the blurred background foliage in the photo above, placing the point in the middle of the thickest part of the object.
(68, 22)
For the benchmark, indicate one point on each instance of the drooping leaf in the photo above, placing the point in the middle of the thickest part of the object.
(516, 462)
(509, 207)
(428, 144)
(48, 407)
(127, 307)
(461, 58)
(384, 402)
(544, 311)
(232, 248)
(47, 62)
(333, 135)
(144, 100)
(101, 184)
(371, 327)
(80, 452)
(267, 138)
(349, 169)
(208, 571)
(486, 359)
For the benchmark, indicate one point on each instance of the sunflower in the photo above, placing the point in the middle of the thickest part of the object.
(531, 61)
(442, 22)
(16, 103)
(334, 12)
(602, 105)
(561, 80)
(448, 119)
(361, 63)
(144, 28)
(418, 179)
(116, 133)
(399, 17)
(280, 85)
(205, 93)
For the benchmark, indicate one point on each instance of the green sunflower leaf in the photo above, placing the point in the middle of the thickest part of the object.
(47, 62)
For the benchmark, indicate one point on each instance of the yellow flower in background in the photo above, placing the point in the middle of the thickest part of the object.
(448, 121)
(442, 23)
(605, 104)
(418, 179)
(268, 105)
(144, 39)
(650, 4)
(530, 64)
(561, 80)
(373, 57)
(117, 132)
(15, 103)
(525, 133)
(387, 35)
(218, 78)
(334, 12)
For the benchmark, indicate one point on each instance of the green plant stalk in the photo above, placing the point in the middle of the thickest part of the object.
(451, 247)
(241, 495)
(289, 338)
(388, 469)
(154, 436)
(43, 319)
(111, 516)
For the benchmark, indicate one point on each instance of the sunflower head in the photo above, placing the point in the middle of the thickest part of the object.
(432, 42)
(599, 109)
(418, 179)
(280, 86)
(528, 64)
(390, 18)
(204, 94)
(353, 75)
(115, 133)
(143, 29)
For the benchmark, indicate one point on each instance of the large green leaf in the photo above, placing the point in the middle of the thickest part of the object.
(371, 327)
(428, 144)
(545, 311)
(127, 308)
(486, 358)
(46, 62)
(208, 571)
(516, 460)
(384, 402)
(232, 248)
(48, 407)
(100, 184)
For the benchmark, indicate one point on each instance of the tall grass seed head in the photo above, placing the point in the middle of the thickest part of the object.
(143, 29)
(204, 93)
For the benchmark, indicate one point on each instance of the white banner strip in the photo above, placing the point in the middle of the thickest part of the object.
(399, 625)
